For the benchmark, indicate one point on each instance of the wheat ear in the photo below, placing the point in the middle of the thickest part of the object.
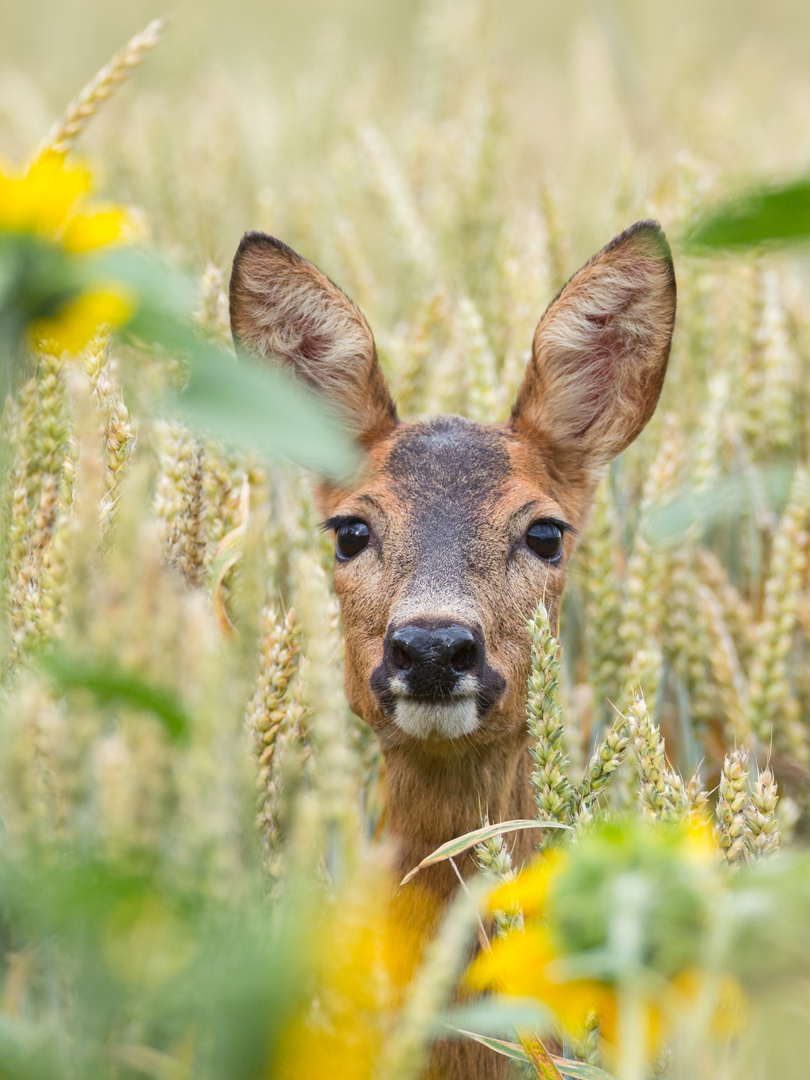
(102, 86)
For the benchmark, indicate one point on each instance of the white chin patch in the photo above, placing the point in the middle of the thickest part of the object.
(448, 719)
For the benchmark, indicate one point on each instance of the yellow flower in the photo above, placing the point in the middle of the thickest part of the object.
(364, 955)
(80, 320)
(569, 957)
(526, 965)
(46, 201)
(529, 892)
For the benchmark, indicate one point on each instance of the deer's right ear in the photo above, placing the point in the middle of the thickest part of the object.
(284, 308)
(600, 351)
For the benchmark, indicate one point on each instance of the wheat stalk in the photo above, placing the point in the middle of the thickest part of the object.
(553, 792)
(101, 87)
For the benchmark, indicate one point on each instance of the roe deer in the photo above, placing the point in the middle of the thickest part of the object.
(456, 529)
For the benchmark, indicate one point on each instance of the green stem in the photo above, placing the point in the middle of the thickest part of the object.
(631, 1034)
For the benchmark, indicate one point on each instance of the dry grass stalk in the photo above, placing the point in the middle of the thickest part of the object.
(117, 423)
(394, 188)
(729, 681)
(212, 313)
(180, 499)
(648, 566)
(268, 714)
(772, 710)
(334, 768)
(604, 763)
(494, 860)
(38, 426)
(601, 589)
(553, 792)
(738, 616)
(100, 88)
(730, 828)
(484, 402)
(761, 822)
(661, 791)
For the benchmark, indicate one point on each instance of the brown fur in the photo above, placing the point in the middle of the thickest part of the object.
(286, 308)
(448, 503)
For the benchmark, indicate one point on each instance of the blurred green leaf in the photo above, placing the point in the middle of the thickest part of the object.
(579, 1070)
(255, 408)
(244, 973)
(108, 681)
(162, 290)
(244, 404)
(247, 405)
(36, 279)
(753, 490)
(497, 1015)
(767, 214)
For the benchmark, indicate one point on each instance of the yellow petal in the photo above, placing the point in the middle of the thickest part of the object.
(530, 890)
(42, 200)
(83, 232)
(515, 964)
(80, 320)
(521, 965)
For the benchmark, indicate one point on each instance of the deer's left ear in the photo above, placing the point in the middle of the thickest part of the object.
(600, 351)
(286, 309)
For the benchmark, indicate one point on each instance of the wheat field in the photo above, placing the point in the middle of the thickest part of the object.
(193, 866)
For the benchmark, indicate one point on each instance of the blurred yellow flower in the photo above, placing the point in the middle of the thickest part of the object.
(365, 953)
(47, 203)
(525, 965)
(529, 891)
(80, 320)
(575, 955)
(45, 200)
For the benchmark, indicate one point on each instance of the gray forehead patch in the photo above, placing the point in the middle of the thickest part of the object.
(448, 471)
(448, 457)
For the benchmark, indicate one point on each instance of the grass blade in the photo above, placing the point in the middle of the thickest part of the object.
(579, 1070)
(777, 214)
(540, 1058)
(463, 843)
(108, 681)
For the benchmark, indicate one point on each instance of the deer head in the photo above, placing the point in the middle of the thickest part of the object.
(456, 529)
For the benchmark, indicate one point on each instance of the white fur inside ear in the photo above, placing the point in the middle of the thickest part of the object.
(447, 719)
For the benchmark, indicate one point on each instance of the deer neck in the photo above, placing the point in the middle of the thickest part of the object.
(434, 797)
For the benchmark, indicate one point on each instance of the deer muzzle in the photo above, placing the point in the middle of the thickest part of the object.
(434, 679)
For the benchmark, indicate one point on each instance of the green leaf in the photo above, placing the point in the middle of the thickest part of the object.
(258, 408)
(540, 1059)
(580, 1070)
(246, 405)
(161, 290)
(513, 1051)
(729, 498)
(768, 214)
(462, 843)
(498, 1015)
(108, 681)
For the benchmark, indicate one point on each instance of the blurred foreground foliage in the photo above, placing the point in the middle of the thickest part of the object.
(193, 873)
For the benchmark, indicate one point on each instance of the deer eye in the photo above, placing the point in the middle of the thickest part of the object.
(350, 539)
(545, 539)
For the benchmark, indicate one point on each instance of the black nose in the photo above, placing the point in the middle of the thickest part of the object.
(432, 660)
